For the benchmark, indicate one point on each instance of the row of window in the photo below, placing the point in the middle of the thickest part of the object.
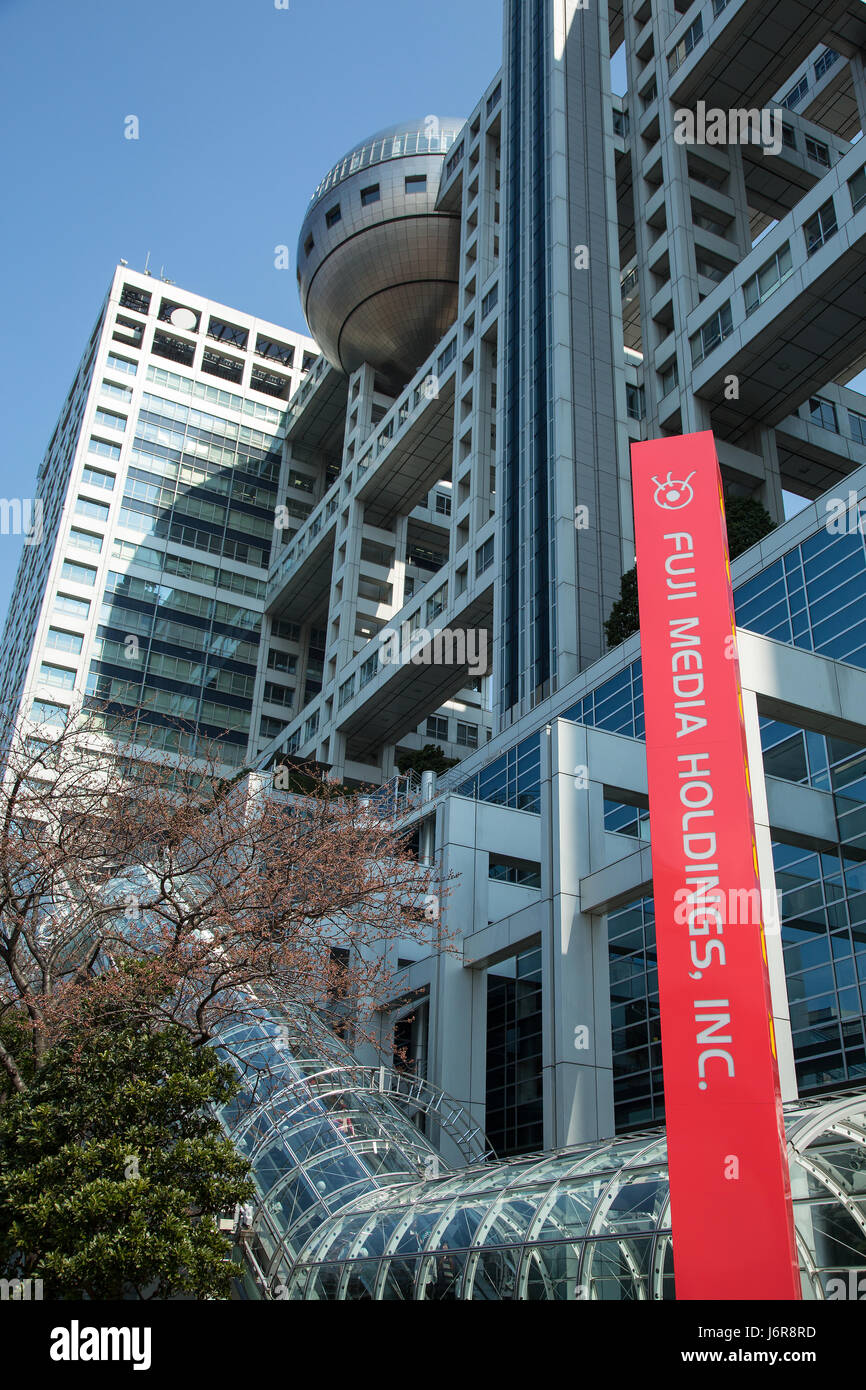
(437, 727)
(757, 289)
(823, 413)
(413, 183)
(189, 319)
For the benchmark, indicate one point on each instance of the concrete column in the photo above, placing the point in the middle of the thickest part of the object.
(771, 488)
(858, 76)
(458, 996)
(767, 880)
(578, 1067)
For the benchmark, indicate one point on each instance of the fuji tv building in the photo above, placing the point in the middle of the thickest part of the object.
(500, 319)
(503, 306)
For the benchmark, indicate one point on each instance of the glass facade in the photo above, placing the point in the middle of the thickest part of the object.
(207, 483)
(635, 1016)
(528, 592)
(514, 779)
(514, 1108)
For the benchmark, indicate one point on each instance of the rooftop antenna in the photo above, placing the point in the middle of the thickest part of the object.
(146, 264)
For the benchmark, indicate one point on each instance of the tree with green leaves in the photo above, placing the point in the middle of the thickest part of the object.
(113, 1171)
(748, 521)
(430, 758)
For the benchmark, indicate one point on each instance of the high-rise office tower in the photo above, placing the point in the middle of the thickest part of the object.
(145, 583)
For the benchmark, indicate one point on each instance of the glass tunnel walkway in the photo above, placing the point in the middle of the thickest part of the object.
(354, 1201)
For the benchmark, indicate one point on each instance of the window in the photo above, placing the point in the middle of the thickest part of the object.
(446, 357)
(523, 871)
(131, 298)
(79, 574)
(648, 96)
(713, 332)
(693, 35)
(347, 690)
(277, 352)
(104, 447)
(788, 137)
(62, 641)
(825, 62)
(282, 661)
(179, 315)
(75, 607)
(370, 195)
(61, 676)
(97, 511)
(635, 402)
(768, 279)
(270, 383)
(271, 728)
(279, 694)
(311, 725)
(668, 380)
(47, 712)
(120, 393)
(176, 349)
(122, 364)
(436, 603)
(110, 418)
(223, 332)
(97, 477)
(333, 216)
(796, 94)
(821, 227)
(290, 631)
(443, 503)
(484, 556)
(815, 149)
(437, 727)
(219, 364)
(718, 6)
(709, 224)
(128, 331)
(489, 301)
(823, 413)
(85, 540)
(858, 427)
(857, 189)
(416, 183)
(467, 734)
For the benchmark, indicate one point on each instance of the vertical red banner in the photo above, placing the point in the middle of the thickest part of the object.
(733, 1231)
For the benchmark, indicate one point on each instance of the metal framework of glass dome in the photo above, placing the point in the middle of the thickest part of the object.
(319, 1130)
(354, 1202)
(585, 1223)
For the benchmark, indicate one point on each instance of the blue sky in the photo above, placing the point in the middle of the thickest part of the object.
(242, 109)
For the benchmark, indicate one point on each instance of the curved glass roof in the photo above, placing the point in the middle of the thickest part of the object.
(354, 1202)
(591, 1222)
(320, 1130)
(426, 135)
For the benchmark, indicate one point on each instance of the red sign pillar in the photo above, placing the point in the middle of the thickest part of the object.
(733, 1230)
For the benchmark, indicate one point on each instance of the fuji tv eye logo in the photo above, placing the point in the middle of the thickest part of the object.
(673, 493)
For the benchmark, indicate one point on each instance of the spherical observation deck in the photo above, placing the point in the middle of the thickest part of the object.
(377, 263)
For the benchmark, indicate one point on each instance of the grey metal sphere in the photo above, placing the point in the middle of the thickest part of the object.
(377, 264)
